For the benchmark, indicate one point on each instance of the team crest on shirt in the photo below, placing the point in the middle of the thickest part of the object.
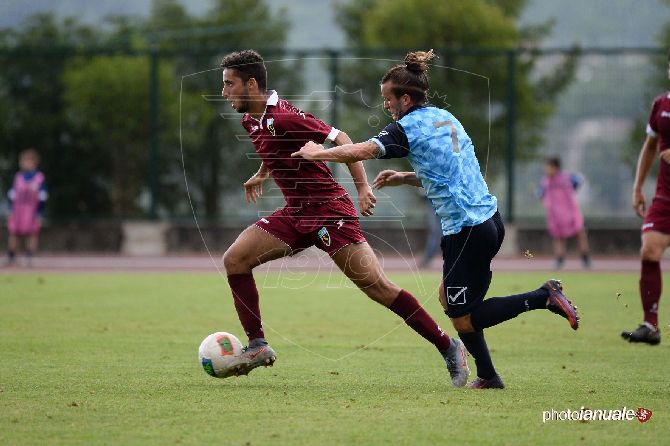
(270, 123)
(324, 236)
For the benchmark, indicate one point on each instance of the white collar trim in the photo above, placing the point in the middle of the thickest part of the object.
(273, 99)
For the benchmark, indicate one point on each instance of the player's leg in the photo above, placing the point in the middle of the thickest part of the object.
(466, 279)
(31, 247)
(360, 264)
(583, 245)
(12, 246)
(495, 310)
(559, 251)
(252, 247)
(654, 243)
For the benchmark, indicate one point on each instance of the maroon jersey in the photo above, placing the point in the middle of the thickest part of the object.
(282, 130)
(659, 127)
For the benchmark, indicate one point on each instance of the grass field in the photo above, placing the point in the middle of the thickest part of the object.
(112, 359)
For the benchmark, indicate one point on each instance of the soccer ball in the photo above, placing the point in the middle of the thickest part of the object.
(218, 353)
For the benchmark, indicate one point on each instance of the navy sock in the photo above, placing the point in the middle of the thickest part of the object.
(500, 309)
(476, 345)
(11, 255)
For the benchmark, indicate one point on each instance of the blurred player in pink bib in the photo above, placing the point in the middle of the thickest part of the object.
(27, 198)
(564, 218)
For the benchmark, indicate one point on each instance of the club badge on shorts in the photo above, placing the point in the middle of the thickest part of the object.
(324, 236)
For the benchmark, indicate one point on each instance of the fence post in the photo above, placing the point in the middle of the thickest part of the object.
(334, 80)
(511, 131)
(153, 131)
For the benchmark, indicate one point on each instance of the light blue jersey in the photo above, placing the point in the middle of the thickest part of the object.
(443, 157)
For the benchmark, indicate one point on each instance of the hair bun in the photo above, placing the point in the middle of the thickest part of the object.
(418, 61)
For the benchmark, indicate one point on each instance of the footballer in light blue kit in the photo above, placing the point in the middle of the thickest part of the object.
(444, 162)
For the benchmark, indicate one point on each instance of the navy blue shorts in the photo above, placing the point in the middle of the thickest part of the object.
(467, 264)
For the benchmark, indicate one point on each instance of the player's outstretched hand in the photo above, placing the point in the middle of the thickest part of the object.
(253, 188)
(366, 201)
(388, 178)
(638, 203)
(308, 151)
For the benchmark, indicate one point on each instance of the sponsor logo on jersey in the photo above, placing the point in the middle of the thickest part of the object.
(340, 224)
(270, 123)
(324, 236)
(265, 220)
(648, 225)
(456, 295)
(665, 114)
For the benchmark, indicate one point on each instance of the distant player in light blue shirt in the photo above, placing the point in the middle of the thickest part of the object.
(443, 157)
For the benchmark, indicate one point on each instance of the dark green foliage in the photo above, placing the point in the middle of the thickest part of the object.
(470, 77)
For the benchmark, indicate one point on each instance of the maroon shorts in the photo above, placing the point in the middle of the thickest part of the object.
(657, 217)
(329, 226)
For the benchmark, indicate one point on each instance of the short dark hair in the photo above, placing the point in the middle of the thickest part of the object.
(410, 77)
(247, 64)
(554, 161)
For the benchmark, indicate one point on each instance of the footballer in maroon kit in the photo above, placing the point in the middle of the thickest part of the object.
(656, 225)
(318, 212)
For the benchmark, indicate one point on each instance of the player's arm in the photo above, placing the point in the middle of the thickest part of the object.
(387, 178)
(644, 163)
(43, 197)
(346, 153)
(390, 143)
(253, 187)
(366, 198)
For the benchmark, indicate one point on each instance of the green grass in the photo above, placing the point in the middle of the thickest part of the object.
(112, 359)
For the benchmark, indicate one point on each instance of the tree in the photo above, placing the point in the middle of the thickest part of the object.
(31, 94)
(657, 83)
(87, 113)
(468, 37)
(214, 157)
(107, 104)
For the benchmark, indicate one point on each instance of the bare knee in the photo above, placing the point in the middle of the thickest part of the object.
(651, 252)
(463, 324)
(235, 262)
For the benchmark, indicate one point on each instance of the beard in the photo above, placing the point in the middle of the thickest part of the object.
(243, 107)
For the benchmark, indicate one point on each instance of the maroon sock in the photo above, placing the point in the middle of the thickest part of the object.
(245, 296)
(650, 290)
(408, 308)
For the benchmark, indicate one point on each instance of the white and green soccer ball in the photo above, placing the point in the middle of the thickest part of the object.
(218, 352)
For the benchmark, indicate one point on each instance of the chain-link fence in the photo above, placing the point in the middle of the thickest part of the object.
(505, 99)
